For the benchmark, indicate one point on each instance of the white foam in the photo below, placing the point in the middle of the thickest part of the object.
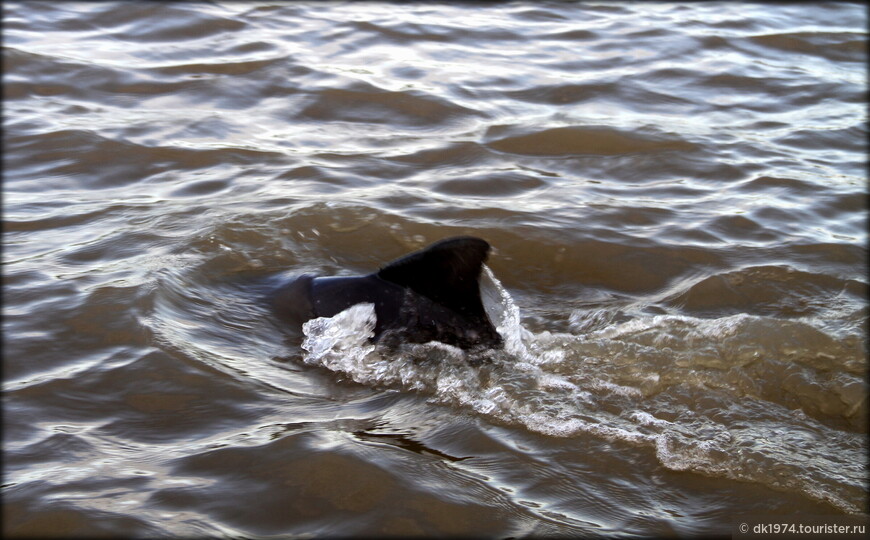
(555, 382)
(613, 383)
(647, 419)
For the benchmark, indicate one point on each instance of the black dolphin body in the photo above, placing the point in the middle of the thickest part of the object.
(429, 295)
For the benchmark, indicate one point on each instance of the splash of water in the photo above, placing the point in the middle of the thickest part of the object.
(701, 394)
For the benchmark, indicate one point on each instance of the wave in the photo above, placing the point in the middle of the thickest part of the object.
(742, 397)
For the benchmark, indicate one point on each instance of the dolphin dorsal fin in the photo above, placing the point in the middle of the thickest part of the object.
(446, 272)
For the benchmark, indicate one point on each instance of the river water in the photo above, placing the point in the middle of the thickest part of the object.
(676, 199)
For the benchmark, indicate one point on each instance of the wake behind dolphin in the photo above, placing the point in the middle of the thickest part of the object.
(428, 295)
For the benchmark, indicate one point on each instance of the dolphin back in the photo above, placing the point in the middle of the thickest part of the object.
(431, 294)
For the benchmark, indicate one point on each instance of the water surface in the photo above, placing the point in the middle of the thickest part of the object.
(675, 193)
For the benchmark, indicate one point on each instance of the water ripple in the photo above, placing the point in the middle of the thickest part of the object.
(676, 199)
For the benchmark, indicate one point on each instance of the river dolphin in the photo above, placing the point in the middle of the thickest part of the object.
(428, 295)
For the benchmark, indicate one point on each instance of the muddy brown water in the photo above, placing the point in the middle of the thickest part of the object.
(675, 194)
